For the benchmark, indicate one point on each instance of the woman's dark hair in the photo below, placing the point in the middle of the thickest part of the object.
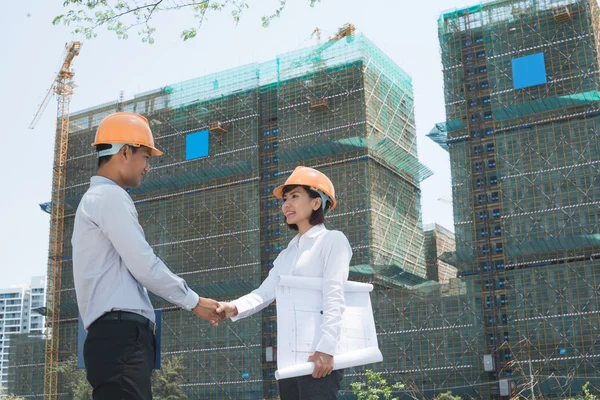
(317, 217)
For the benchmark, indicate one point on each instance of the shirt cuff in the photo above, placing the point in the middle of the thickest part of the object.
(327, 345)
(191, 300)
(239, 304)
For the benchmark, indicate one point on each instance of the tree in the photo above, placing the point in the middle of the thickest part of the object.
(121, 16)
(75, 379)
(588, 393)
(375, 388)
(166, 382)
(13, 397)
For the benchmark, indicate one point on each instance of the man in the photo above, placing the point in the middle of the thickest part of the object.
(113, 264)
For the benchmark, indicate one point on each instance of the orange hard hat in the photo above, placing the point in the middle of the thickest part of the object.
(317, 181)
(126, 128)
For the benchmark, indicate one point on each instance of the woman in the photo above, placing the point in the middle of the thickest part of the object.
(316, 252)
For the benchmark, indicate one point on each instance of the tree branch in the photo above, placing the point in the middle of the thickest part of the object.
(154, 6)
(121, 16)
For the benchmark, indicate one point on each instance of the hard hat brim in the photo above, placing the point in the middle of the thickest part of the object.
(278, 192)
(154, 152)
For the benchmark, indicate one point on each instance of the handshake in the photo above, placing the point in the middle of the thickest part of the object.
(214, 311)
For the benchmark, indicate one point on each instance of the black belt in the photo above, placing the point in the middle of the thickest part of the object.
(128, 316)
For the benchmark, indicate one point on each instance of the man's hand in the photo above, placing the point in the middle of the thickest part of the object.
(323, 364)
(227, 309)
(207, 309)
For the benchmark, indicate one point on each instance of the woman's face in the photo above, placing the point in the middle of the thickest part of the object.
(298, 206)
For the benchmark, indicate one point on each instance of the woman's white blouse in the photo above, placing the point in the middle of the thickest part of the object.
(319, 253)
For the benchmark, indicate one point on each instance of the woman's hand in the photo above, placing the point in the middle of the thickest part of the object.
(323, 364)
(226, 310)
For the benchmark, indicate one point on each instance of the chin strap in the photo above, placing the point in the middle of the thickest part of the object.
(115, 148)
(324, 200)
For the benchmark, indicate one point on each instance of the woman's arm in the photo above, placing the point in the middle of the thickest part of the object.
(252, 302)
(338, 254)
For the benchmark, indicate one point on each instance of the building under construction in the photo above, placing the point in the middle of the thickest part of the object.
(208, 210)
(523, 117)
(438, 240)
(521, 87)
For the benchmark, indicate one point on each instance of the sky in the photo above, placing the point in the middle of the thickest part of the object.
(405, 30)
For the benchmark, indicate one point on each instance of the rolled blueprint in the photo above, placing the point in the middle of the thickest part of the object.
(311, 283)
(347, 360)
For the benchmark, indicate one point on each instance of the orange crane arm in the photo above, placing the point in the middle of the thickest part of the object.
(71, 50)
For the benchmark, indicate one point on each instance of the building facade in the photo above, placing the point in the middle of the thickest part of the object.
(438, 240)
(522, 130)
(207, 207)
(18, 315)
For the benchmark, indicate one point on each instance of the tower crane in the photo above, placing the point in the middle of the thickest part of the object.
(63, 87)
(445, 200)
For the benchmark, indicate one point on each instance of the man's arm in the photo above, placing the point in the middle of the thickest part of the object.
(119, 222)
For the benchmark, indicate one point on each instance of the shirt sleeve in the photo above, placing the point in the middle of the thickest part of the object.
(337, 254)
(259, 298)
(119, 222)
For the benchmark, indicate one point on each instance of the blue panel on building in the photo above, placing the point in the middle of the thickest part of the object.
(196, 145)
(529, 71)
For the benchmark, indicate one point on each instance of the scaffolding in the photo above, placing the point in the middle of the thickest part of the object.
(26, 364)
(343, 107)
(526, 202)
(438, 240)
(524, 152)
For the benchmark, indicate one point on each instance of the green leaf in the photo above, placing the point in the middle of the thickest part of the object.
(188, 34)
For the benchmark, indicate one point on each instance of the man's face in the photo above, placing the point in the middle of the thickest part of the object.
(137, 165)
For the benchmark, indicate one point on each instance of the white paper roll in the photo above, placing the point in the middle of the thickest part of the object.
(369, 355)
(308, 282)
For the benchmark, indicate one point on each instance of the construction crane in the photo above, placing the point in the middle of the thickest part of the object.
(316, 55)
(317, 33)
(344, 31)
(445, 200)
(63, 87)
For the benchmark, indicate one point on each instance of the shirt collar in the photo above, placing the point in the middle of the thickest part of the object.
(100, 180)
(311, 233)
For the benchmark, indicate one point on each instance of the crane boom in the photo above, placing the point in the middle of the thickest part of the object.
(63, 87)
(345, 31)
(71, 50)
(38, 115)
(315, 55)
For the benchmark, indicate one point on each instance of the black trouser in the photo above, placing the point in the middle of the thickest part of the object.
(119, 357)
(309, 388)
